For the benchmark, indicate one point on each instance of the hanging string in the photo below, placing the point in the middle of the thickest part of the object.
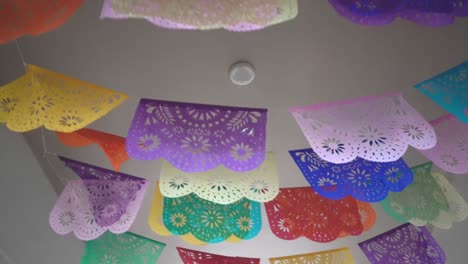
(5, 257)
(45, 152)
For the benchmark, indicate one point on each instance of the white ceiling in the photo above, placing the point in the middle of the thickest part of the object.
(317, 57)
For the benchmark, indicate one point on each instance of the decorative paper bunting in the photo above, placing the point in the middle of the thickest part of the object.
(102, 200)
(189, 256)
(425, 12)
(451, 151)
(122, 249)
(58, 102)
(206, 221)
(317, 218)
(448, 89)
(364, 180)
(23, 17)
(405, 244)
(431, 199)
(377, 128)
(195, 137)
(222, 185)
(368, 217)
(240, 15)
(112, 145)
(335, 256)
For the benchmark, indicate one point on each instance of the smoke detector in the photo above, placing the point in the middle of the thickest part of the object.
(242, 73)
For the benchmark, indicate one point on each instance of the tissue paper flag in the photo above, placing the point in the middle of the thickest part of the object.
(101, 200)
(364, 180)
(368, 217)
(376, 128)
(381, 12)
(189, 256)
(406, 244)
(221, 185)
(431, 199)
(317, 218)
(206, 221)
(449, 90)
(112, 145)
(196, 137)
(239, 15)
(24, 17)
(58, 102)
(335, 256)
(122, 249)
(451, 151)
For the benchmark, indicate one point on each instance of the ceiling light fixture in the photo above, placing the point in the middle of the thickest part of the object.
(242, 73)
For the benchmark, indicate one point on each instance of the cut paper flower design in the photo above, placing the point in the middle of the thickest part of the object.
(406, 244)
(189, 256)
(240, 15)
(55, 101)
(368, 217)
(199, 221)
(448, 89)
(335, 256)
(319, 219)
(112, 145)
(364, 180)
(221, 185)
(21, 17)
(377, 128)
(451, 151)
(122, 249)
(196, 138)
(101, 200)
(381, 12)
(431, 199)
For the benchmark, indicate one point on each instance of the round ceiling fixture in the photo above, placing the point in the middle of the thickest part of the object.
(242, 73)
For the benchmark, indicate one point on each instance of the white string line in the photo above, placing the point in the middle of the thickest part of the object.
(6, 257)
(21, 56)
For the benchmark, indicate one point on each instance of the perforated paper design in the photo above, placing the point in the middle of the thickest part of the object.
(24, 17)
(101, 200)
(381, 12)
(317, 218)
(448, 89)
(195, 137)
(451, 151)
(122, 249)
(335, 256)
(221, 185)
(189, 256)
(364, 180)
(55, 101)
(239, 15)
(112, 145)
(431, 199)
(206, 221)
(378, 128)
(406, 244)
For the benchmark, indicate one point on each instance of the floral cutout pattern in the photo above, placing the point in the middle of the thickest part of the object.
(431, 199)
(55, 101)
(208, 222)
(406, 244)
(241, 15)
(448, 89)
(189, 256)
(112, 145)
(122, 249)
(377, 128)
(18, 18)
(319, 219)
(364, 180)
(221, 185)
(451, 151)
(335, 256)
(196, 138)
(381, 12)
(101, 200)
